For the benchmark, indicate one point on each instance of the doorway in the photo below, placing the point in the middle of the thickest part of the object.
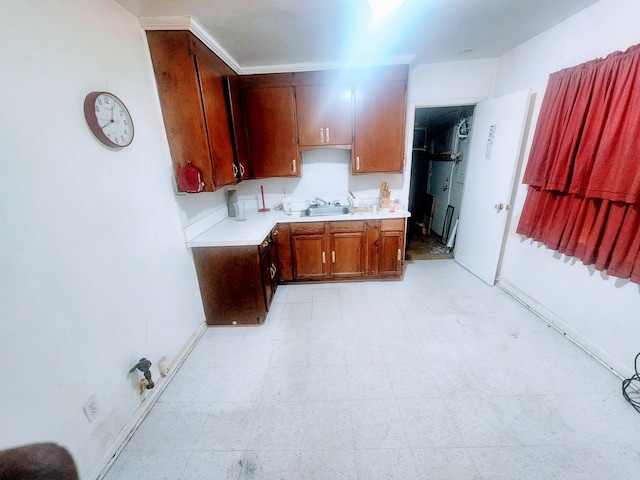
(440, 146)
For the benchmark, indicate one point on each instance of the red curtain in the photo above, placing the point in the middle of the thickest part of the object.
(584, 168)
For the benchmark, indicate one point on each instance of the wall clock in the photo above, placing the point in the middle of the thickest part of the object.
(108, 119)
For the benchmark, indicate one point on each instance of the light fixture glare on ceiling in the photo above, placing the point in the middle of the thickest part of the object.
(383, 7)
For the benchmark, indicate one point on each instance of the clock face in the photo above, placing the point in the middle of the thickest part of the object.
(108, 119)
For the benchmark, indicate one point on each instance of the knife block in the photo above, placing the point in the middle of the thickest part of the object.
(385, 196)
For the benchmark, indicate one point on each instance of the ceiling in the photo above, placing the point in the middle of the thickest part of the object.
(289, 35)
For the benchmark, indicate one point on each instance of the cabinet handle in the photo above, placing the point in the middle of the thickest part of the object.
(273, 271)
(275, 232)
(399, 255)
(322, 135)
(357, 163)
(333, 256)
(327, 134)
(235, 170)
(324, 259)
(293, 162)
(241, 170)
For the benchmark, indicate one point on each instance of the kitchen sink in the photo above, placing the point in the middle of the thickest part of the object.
(324, 211)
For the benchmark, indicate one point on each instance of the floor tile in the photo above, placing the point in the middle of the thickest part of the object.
(327, 426)
(444, 464)
(508, 463)
(369, 382)
(327, 465)
(227, 426)
(377, 425)
(392, 464)
(277, 426)
(428, 423)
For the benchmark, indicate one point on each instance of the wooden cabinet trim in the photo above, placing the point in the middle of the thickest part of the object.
(327, 77)
(390, 224)
(306, 228)
(346, 226)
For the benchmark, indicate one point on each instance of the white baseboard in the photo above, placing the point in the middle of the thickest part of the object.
(145, 407)
(566, 329)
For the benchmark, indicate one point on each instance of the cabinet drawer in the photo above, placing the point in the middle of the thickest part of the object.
(307, 228)
(347, 226)
(391, 225)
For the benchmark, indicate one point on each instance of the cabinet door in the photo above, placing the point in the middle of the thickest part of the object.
(325, 115)
(271, 126)
(217, 120)
(282, 242)
(267, 267)
(239, 122)
(179, 91)
(379, 127)
(391, 250)
(231, 285)
(309, 256)
(348, 254)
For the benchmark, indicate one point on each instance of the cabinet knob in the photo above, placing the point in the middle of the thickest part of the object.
(499, 207)
(275, 232)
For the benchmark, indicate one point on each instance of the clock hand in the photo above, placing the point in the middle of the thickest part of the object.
(109, 122)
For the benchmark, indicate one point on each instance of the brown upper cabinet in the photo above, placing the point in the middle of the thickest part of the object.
(239, 123)
(380, 109)
(325, 115)
(361, 109)
(194, 101)
(271, 127)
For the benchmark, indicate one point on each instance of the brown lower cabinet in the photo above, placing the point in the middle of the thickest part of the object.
(237, 284)
(345, 249)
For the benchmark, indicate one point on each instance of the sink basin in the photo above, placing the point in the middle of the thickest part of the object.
(324, 211)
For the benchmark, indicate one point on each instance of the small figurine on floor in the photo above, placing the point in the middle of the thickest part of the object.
(143, 365)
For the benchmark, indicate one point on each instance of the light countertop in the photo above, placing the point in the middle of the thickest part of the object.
(253, 230)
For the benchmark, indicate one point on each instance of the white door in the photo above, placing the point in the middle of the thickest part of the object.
(494, 153)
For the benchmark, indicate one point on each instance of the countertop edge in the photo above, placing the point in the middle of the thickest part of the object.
(252, 231)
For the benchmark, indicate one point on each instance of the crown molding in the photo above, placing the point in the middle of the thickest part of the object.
(188, 23)
(310, 67)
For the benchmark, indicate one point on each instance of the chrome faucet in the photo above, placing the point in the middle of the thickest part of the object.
(321, 201)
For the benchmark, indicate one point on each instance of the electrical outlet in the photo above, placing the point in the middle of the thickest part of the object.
(91, 408)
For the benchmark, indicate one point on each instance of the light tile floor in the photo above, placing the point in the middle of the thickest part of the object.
(437, 376)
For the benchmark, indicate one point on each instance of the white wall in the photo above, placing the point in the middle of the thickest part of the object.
(599, 311)
(94, 273)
